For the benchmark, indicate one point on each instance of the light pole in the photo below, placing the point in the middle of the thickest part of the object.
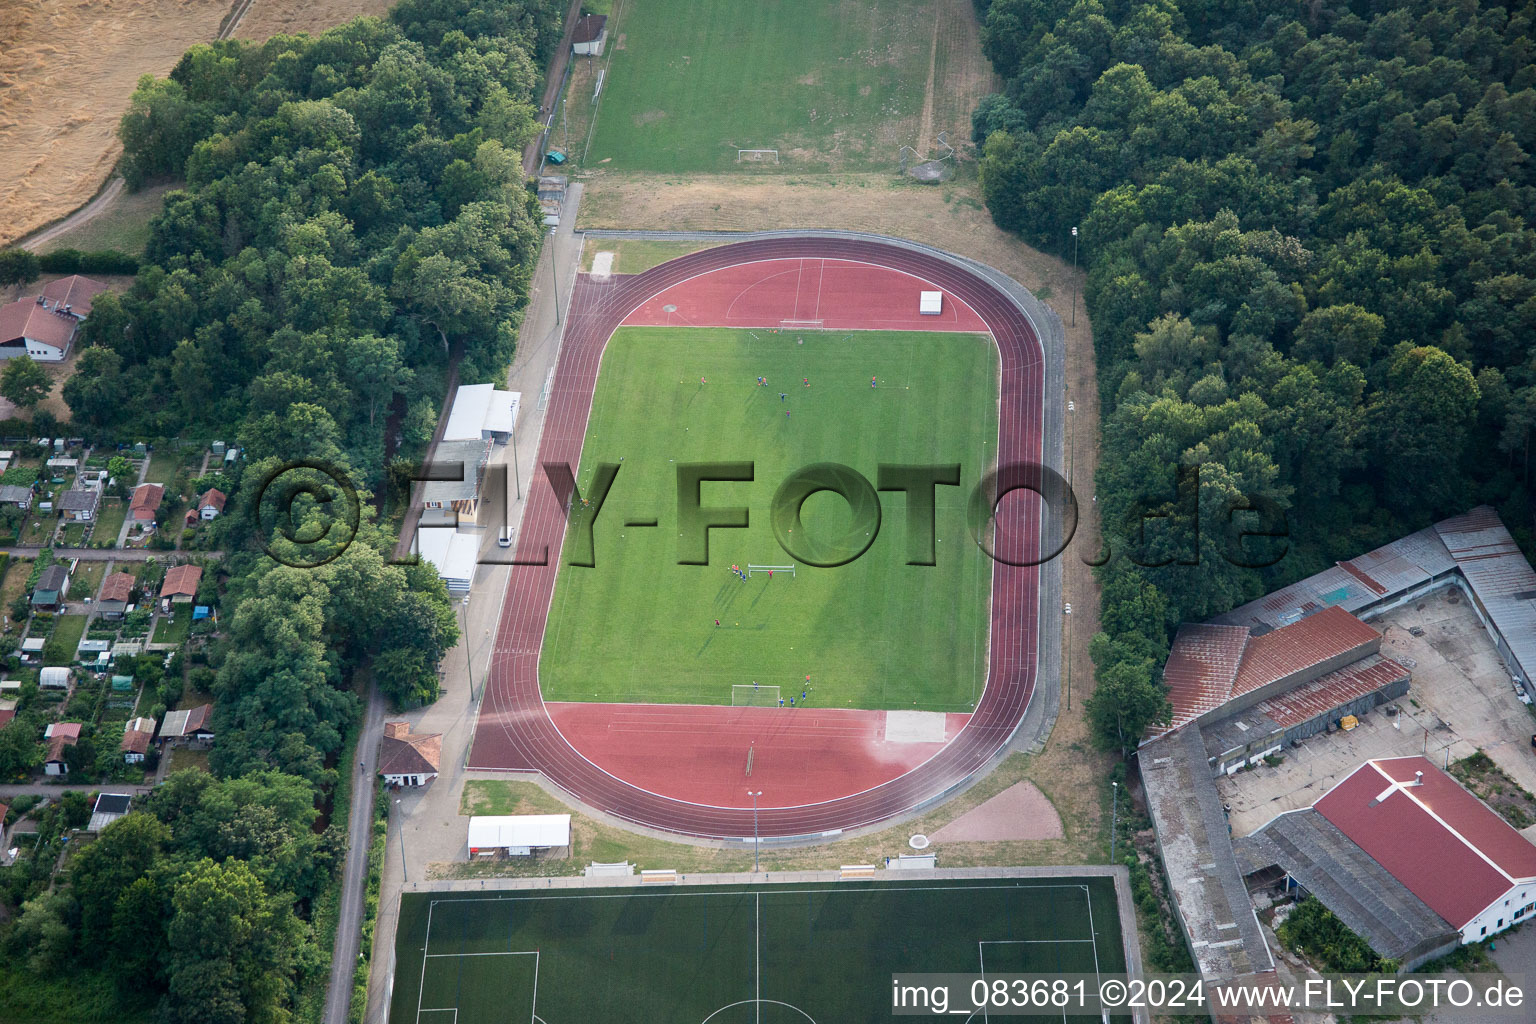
(1114, 814)
(755, 841)
(516, 475)
(1074, 276)
(405, 871)
(554, 274)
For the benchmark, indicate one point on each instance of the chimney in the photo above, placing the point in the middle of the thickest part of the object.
(397, 730)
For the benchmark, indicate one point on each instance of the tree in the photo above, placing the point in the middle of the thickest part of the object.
(18, 266)
(24, 382)
(1126, 698)
(20, 749)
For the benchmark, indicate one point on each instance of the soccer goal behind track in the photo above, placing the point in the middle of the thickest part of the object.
(769, 570)
(765, 156)
(749, 695)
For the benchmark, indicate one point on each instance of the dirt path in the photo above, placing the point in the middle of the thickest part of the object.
(90, 211)
(925, 127)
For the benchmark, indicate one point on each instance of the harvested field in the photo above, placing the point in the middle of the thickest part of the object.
(68, 69)
(66, 74)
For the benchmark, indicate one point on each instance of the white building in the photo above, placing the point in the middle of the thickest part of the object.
(454, 555)
(1444, 844)
(409, 759)
(517, 835)
(481, 413)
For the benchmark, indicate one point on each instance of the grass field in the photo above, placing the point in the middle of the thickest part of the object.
(634, 255)
(875, 633)
(734, 954)
(67, 631)
(830, 84)
(109, 521)
(124, 225)
(173, 631)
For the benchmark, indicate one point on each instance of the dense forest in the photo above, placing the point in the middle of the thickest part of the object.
(353, 224)
(1311, 257)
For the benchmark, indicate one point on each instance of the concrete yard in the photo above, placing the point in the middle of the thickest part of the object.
(1460, 701)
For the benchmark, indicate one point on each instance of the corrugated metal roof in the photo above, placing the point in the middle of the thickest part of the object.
(1201, 666)
(1429, 833)
(1497, 572)
(1333, 690)
(1301, 645)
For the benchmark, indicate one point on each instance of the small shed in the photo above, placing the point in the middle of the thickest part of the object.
(32, 649)
(122, 684)
(517, 835)
(590, 35)
(109, 807)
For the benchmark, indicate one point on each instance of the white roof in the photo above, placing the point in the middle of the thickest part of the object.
(453, 554)
(478, 408)
(930, 302)
(502, 830)
(53, 674)
(33, 643)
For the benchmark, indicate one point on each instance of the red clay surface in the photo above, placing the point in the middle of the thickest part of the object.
(836, 292)
(698, 752)
(516, 731)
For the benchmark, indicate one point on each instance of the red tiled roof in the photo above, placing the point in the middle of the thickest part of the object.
(5, 718)
(146, 498)
(213, 496)
(74, 291)
(410, 754)
(1201, 667)
(24, 318)
(65, 734)
(1290, 649)
(1439, 840)
(1330, 691)
(136, 742)
(181, 581)
(117, 587)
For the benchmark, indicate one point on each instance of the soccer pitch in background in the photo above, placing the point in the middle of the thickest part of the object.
(780, 954)
(873, 634)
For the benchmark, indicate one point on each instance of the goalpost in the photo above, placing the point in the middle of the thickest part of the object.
(746, 695)
(767, 156)
(769, 570)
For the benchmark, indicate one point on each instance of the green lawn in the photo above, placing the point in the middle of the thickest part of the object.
(830, 84)
(736, 954)
(86, 580)
(874, 633)
(163, 464)
(67, 631)
(169, 632)
(124, 225)
(109, 521)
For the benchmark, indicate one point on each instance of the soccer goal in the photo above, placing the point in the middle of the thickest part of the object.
(801, 325)
(761, 156)
(748, 695)
(769, 570)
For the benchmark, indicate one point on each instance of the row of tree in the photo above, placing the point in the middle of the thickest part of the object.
(1308, 230)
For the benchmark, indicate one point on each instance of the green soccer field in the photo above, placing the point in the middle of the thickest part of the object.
(876, 633)
(735, 954)
(830, 84)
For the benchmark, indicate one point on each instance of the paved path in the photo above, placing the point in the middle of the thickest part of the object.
(51, 788)
(354, 875)
(430, 816)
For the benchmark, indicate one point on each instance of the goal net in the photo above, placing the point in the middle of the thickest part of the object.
(746, 695)
(765, 156)
(769, 570)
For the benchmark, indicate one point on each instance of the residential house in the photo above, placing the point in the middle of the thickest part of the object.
(451, 495)
(35, 327)
(60, 737)
(15, 494)
(79, 504)
(137, 737)
(180, 585)
(590, 35)
(210, 504)
(190, 728)
(146, 501)
(406, 759)
(116, 595)
(73, 294)
(52, 588)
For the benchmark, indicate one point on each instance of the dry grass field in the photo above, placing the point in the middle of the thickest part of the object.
(68, 68)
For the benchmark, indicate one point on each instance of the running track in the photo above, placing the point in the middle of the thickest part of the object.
(514, 731)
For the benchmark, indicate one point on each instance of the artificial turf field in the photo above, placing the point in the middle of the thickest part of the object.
(874, 634)
(734, 954)
(837, 84)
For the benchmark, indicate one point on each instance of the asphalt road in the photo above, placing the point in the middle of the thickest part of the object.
(349, 923)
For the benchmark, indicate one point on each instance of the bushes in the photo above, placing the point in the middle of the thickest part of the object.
(73, 261)
(1314, 931)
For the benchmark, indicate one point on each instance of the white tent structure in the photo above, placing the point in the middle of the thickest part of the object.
(517, 835)
(53, 678)
(480, 412)
(454, 555)
(930, 303)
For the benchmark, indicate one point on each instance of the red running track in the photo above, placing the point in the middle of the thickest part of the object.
(843, 295)
(515, 730)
